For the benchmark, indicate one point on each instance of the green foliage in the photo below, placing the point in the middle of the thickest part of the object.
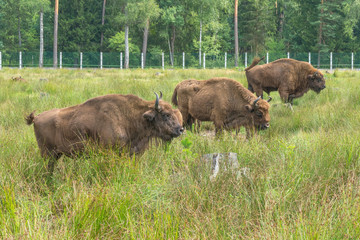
(273, 45)
(186, 142)
(296, 24)
(117, 43)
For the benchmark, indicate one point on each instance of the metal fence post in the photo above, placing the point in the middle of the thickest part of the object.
(288, 54)
(81, 60)
(245, 59)
(267, 57)
(204, 61)
(330, 61)
(121, 63)
(225, 59)
(142, 60)
(101, 60)
(183, 60)
(0, 61)
(310, 57)
(162, 61)
(352, 61)
(20, 60)
(60, 60)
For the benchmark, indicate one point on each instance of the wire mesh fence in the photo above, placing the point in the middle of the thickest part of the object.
(177, 60)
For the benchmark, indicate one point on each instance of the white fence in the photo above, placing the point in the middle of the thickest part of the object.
(104, 60)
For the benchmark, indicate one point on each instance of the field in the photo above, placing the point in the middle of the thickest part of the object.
(304, 180)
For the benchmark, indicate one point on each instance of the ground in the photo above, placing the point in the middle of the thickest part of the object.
(305, 169)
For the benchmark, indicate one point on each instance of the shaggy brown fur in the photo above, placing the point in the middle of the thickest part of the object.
(186, 89)
(124, 121)
(290, 77)
(223, 101)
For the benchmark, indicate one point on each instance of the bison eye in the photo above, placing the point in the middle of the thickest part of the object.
(258, 113)
(166, 116)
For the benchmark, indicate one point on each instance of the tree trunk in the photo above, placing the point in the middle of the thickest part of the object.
(56, 13)
(200, 42)
(173, 35)
(171, 58)
(145, 39)
(236, 34)
(126, 46)
(102, 26)
(41, 54)
(320, 32)
(281, 16)
(19, 30)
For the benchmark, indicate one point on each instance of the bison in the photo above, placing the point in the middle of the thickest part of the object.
(186, 89)
(223, 101)
(124, 121)
(290, 77)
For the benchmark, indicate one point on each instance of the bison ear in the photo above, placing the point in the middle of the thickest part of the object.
(149, 115)
(249, 108)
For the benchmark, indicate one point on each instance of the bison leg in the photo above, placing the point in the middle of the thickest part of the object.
(296, 95)
(258, 91)
(284, 95)
(52, 156)
(250, 88)
(48, 152)
(250, 131)
(291, 98)
(52, 160)
(187, 118)
(197, 126)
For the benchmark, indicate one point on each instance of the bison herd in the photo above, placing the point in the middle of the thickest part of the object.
(129, 123)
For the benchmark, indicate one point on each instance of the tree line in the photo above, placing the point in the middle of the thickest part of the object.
(173, 26)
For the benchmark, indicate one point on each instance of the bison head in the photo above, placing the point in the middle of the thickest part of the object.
(166, 121)
(260, 112)
(316, 81)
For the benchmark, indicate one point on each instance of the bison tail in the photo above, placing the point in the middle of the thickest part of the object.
(174, 96)
(30, 119)
(254, 63)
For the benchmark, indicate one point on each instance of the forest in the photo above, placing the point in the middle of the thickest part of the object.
(176, 26)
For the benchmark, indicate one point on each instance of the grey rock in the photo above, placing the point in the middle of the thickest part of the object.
(224, 162)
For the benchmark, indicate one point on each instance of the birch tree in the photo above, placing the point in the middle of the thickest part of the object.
(56, 13)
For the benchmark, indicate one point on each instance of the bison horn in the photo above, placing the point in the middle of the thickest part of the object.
(160, 95)
(157, 102)
(256, 100)
(270, 98)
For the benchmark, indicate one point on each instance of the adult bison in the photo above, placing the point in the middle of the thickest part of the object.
(186, 89)
(123, 121)
(223, 101)
(290, 77)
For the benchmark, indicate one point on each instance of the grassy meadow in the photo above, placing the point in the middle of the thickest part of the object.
(304, 180)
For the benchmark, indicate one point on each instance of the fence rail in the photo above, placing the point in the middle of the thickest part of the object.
(180, 60)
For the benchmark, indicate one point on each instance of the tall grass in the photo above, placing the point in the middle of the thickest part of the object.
(304, 180)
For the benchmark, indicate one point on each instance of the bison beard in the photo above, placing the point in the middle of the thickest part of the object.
(223, 101)
(290, 77)
(124, 121)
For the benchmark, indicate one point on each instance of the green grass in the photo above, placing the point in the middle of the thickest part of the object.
(304, 180)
